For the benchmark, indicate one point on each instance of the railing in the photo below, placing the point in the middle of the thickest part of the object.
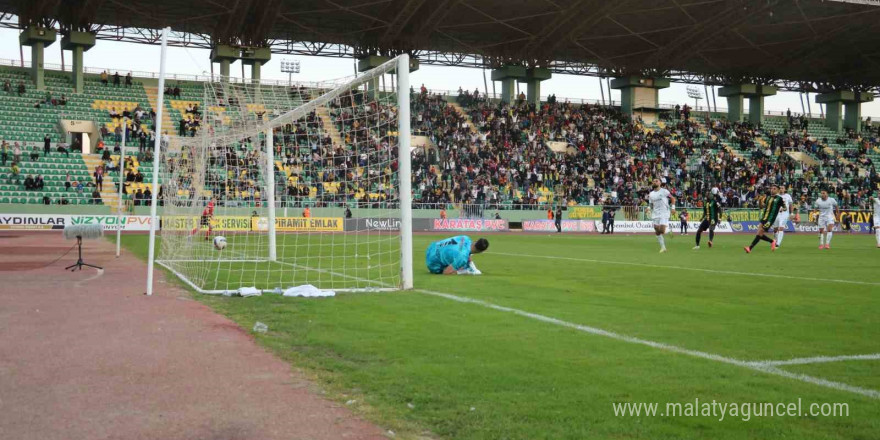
(173, 76)
(327, 84)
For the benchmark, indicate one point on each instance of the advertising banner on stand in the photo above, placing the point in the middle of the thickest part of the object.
(567, 226)
(647, 226)
(301, 224)
(372, 224)
(469, 224)
(49, 222)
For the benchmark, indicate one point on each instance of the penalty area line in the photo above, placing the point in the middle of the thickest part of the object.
(755, 366)
(692, 269)
(822, 359)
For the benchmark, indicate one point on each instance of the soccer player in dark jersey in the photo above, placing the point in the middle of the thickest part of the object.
(711, 217)
(772, 206)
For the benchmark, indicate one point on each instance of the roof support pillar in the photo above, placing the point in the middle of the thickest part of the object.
(533, 80)
(835, 102)
(37, 38)
(78, 43)
(256, 58)
(639, 93)
(509, 75)
(735, 93)
(225, 55)
(367, 63)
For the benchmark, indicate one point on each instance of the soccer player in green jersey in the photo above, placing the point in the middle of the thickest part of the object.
(711, 217)
(772, 206)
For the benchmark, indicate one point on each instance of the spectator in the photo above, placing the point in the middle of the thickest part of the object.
(7, 87)
(16, 152)
(104, 77)
(39, 184)
(347, 212)
(63, 100)
(4, 152)
(47, 200)
(128, 79)
(35, 154)
(47, 147)
(67, 182)
(96, 197)
(21, 89)
(148, 197)
(15, 172)
(307, 212)
(99, 177)
(116, 79)
(29, 183)
(142, 137)
(176, 91)
(139, 178)
(138, 197)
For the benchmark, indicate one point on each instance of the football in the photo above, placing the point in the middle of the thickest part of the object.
(219, 242)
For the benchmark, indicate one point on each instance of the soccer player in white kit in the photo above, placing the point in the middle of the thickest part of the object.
(782, 219)
(876, 201)
(827, 211)
(660, 211)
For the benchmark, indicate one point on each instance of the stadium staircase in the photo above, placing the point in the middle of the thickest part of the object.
(109, 194)
(467, 117)
(152, 94)
(329, 127)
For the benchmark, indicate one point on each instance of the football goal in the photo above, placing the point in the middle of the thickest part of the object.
(306, 184)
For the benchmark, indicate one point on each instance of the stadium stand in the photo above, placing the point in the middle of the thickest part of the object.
(503, 155)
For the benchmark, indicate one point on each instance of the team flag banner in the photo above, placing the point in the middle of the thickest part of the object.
(59, 221)
(567, 226)
(585, 213)
(856, 216)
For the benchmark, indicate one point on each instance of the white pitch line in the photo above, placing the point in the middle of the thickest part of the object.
(693, 269)
(822, 359)
(756, 366)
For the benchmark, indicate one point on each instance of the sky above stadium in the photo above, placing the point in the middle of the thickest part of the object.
(140, 57)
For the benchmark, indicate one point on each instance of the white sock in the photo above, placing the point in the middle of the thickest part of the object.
(821, 239)
(828, 238)
(877, 235)
(779, 236)
(662, 241)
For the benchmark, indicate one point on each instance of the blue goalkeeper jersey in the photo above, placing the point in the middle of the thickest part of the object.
(454, 251)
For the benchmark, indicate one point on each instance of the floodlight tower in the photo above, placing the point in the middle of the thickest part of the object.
(694, 92)
(290, 67)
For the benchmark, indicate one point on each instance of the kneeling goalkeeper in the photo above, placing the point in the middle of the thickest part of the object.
(453, 255)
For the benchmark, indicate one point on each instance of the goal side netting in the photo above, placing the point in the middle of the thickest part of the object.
(287, 185)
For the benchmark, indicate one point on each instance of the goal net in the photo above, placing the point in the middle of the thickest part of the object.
(285, 185)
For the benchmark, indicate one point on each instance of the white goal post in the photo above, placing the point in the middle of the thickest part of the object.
(287, 175)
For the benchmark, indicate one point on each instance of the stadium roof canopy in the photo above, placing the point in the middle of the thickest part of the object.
(796, 44)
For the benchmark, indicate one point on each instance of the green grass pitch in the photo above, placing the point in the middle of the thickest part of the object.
(428, 366)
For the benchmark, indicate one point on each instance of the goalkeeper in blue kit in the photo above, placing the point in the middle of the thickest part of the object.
(453, 255)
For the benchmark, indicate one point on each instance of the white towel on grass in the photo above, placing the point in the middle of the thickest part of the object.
(249, 291)
(308, 291)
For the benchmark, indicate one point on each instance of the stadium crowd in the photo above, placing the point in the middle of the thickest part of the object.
(523, 156)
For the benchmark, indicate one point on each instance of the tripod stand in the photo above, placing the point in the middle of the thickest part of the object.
(79, 262)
